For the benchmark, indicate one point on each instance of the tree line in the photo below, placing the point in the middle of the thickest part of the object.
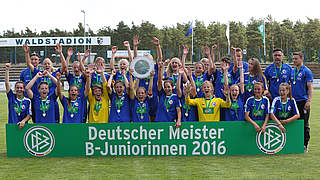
(288, 35)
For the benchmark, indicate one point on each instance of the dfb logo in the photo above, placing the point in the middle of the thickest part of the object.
(272, 141)
(39, 141)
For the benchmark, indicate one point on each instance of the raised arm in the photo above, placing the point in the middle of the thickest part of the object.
(8, 65)
(156, 42)
(131, 88)
(213, 67)
(150, 87)
(86, 54)
(193, 87)
(184, 55)
(109, 88)
(100, 70)
(88, 75)
(240, 66)
(114, 49)
(160, 75)
(58, 90)
(178, 86)
(31, 83)
(64, 65)
(125, 79)
(70, 53)
(136, 42)
(27, 55)
(127, 45)
(235, 61)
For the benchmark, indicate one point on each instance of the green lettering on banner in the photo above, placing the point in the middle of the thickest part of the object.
(152, 139)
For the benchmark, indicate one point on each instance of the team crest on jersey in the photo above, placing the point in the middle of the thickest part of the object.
(213, 104)
(254, 81)
(262, 106)
(76, 104)
(289, 108)
(48, 101)
(300, 74)
(22, 107)
(284, 71)
(170, 102)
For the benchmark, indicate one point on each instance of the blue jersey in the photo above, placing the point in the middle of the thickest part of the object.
(285, 110)
(174, 79)
(236, 110)
(52, 85)
(237, 74)
(220, 84)
(188, 113)
(257, 108)
(96, 78)
(275, 76)
(26, 76)
(145, 83)
(249, 82)
(74, 112)
(140, 110)
(119, 77)
(167, 108)
(199, 81)
(120, 109)
(18, 109)
(45, 109)
(79, 81)
(299, 79)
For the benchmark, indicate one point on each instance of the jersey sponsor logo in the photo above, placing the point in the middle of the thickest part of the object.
(272, 141)
(39, 141)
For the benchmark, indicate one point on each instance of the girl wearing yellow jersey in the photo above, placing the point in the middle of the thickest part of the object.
(209, 106)
(97, 97)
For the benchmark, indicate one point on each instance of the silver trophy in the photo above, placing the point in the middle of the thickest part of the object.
(142, 66)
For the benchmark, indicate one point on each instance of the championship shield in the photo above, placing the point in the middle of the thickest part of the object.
(142, 67)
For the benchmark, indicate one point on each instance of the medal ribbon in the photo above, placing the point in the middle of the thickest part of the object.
(166, 102)
(205, 100)
(73, 109)
(295, 74)
(254, 105)
(97, 106)
(186, 107)
(44, 106)
(119, 102)
(141, 109)
(284, 109)
(275, 69)
(18, 107)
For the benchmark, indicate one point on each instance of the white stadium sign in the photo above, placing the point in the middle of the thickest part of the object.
(52, 41)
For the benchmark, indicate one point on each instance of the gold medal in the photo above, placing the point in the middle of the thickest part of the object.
(141, 117)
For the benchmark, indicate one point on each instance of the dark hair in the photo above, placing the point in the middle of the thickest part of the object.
(226, 59)
(277, 49)
(19, 82)
(168, 81)
(35, 54)
(300, 54)
(43, 82)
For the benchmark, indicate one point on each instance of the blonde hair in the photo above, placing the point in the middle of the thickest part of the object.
(169, 68)
(126, 61)
(51, 66)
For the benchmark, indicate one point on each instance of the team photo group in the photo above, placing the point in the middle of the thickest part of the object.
(237, 90)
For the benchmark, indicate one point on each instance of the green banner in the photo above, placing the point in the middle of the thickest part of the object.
(152, 139)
